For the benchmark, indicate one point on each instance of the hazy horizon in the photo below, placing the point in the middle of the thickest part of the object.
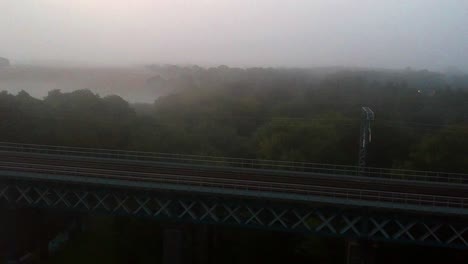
(422, 34)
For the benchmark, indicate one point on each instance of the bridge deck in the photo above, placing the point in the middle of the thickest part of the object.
(426, 208)
(414, 191)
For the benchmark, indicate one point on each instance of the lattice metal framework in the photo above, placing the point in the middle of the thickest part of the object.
(358, 223)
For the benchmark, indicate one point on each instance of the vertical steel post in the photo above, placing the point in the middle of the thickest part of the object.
(367, 116)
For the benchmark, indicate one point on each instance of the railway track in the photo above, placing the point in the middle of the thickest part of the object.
(361, 188)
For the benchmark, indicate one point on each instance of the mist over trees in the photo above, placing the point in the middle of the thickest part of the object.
(4, 62)
(288, 114)
(175, 78)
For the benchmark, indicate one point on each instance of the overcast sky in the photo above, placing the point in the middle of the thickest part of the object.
(368, 33)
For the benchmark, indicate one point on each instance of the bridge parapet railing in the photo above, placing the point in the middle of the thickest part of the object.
(214, 161)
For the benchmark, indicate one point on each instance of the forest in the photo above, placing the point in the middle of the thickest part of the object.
(421, 117)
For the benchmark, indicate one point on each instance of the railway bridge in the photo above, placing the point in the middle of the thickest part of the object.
(359, 203)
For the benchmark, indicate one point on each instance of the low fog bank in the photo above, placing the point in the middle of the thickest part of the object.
(144, 84)
(128, 82)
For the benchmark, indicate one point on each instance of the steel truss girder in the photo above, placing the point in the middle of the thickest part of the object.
(356, 223)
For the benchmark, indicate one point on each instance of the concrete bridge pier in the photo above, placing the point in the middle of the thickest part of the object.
(360, 252)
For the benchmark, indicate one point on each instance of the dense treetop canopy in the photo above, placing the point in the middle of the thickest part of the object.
(262, 113)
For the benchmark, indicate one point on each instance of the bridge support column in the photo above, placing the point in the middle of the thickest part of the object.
(360, 252)
(8, 237)
(175, 245)
(203, 240)
(184, 244)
